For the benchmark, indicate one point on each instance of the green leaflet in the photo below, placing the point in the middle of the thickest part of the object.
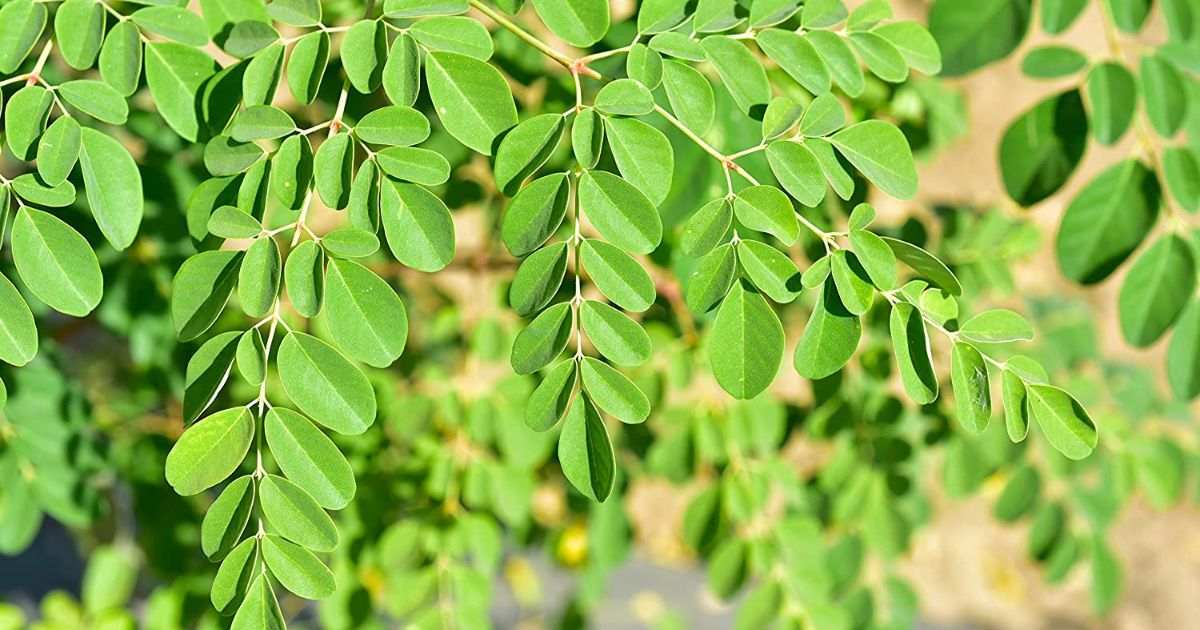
(176, 23)
(643, 156)
(58, 150)
(538, 279)
(767, 209)
(824, 116)
(309, 458)
(690, 95)
(1183, 353)
(32, 189)
(587, 137)
(456, 34)
(261, 122)
(1017, 371)
(261, 78)
(113, 185)
(18, 335)
(747, 343)
(226, 518)
(585, 452)
(304, 276)
(549, 402)
(839, 58)
(175, 74)
(210, 450)
(816, 274)
(294, 514)
(258, 277)
(418, 226)
(25, 119)
(524, 150)
(251, 357)
(248, 37)
(712, 279)
(656, 16)
(620, 212)
(741, 73)
(224, 156)
(925, 264)
(542, 340)
(1106, 221)
(797, 57)
(56, 263)
(473, 100)
(411, 164)
(580, 23)
(781, 116)
(259, 610)
(624, 97)
(615, 335)
(121, 58)
(296, 12)
(613, 392)
(1041, 148)
(881, 152)
(393, 126)
(324, 385)
(911, 343)
(1157, 288)
(618, 276)
(771, 271)
(367, 319)
(916, 45)
(535, 213)
(423, 8)
(297, 569)
(364, 52)
(306, 66)
(21, 25)
(974, 33)
(333, 167)
(644, 65)
(830, 337)
(880, 56)
(972, 396)
(1129, 15)
(997, 326)
(365, 197)
(291, 171)
(1113, 96)
(728, 567)
(832, 168)
(206, 373)
(1051, 62)
(798, 171)
(1067, 425)
(1058, 15)
(402, 71)
(706, 228)
(876, 257)
(350, 242)
(1181, 170)
(79, 32)
(852, 281)
(1164, 95)
(1019, 496)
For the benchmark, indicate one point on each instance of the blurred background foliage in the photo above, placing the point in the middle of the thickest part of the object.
(807, 507)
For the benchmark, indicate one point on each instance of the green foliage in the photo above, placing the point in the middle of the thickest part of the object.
(681, 243)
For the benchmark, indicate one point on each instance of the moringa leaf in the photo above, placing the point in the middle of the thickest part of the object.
(367, 319)
(309, 458)
(210, 450)
(585, 452)
(294, 514)
(297, 569)
(620, 212)
(418, 226)
(830, 337)
(617, 337)
(549, 402)
(538, 279)
(613, 392)
(618, 276)
(539, 343)
(226, 518)
(911, 343)
(56, 263)
(1156, 290)
(324, 385)
(747, 343)
(473, 100)
(972, 396)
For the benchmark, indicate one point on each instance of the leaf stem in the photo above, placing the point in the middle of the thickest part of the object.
(529, 38)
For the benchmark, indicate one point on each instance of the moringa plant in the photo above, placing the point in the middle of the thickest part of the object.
(318, 132)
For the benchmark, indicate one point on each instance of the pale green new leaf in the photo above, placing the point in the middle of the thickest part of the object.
(210, 450)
